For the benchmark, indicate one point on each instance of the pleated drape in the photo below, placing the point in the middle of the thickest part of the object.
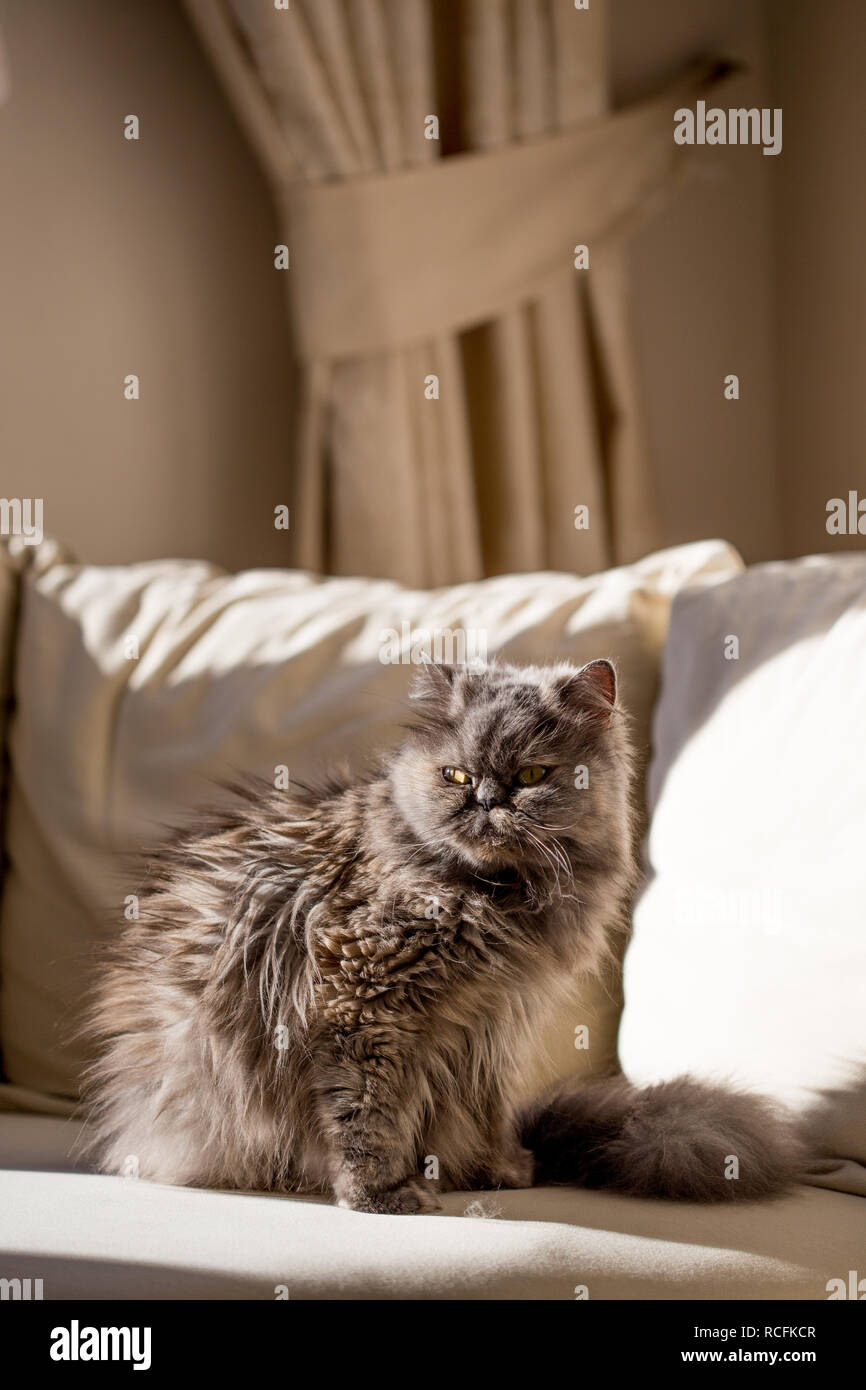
(532, 70)
(538, 408)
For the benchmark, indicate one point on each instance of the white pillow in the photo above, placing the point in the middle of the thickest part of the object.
(748, 960)
(15, 557)
(245, 672)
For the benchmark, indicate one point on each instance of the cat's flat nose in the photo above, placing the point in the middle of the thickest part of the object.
(489, 794)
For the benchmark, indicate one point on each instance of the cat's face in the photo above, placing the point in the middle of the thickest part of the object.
(499, 769)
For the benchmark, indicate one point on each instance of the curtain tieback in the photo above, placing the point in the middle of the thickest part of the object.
(385, 260)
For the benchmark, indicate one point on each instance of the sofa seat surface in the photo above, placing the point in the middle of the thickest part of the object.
(89, 1236)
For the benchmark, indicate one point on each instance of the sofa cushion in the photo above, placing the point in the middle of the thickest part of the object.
(16, 555)
(138, 686)
(89, 1236)
(8, 608)
(749, 953)
(8, 603)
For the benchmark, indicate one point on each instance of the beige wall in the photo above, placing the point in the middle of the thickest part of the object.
(155, 258)
(702, 291)
(819, 198)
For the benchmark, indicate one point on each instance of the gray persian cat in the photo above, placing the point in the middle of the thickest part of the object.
(326, 990)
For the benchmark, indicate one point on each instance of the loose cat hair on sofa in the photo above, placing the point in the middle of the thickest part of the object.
(326, 988)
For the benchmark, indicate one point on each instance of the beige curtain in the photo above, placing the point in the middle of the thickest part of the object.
(452, 258)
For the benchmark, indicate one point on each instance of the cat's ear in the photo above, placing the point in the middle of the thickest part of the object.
(434, 683)
(592, 690)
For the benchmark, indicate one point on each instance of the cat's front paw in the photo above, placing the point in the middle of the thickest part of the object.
(517, 1170)
(398, 1201)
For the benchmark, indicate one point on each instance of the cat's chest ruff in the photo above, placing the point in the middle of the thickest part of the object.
(371, 955)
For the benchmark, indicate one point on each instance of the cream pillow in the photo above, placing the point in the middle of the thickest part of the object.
(748, 960)
(8, 606)
(8, 609)
(15, 558)
(138, 686)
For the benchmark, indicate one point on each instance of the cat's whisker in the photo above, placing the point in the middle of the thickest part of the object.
(560, 828)
(546, 853)
(554, 849)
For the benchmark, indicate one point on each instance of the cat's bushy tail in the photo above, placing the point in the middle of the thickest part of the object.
(673, 1139)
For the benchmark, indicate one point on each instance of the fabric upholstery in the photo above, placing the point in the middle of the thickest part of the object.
(88, 1236)
(749, 953)
(8, 602)
(8, 613)
(250, 672)
(16, 556)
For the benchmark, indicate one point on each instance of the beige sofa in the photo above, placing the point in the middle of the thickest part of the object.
(128, 690)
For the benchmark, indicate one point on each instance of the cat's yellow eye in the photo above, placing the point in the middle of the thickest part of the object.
(530, 776)
(457, 775)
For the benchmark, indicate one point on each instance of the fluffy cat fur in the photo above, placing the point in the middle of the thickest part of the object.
(324, 988)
